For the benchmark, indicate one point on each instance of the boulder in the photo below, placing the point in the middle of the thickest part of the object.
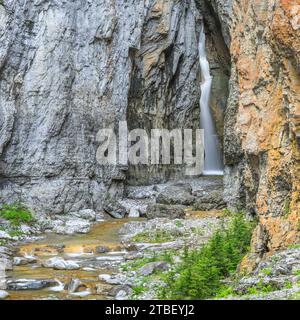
(101, 249)
(114, 208)
(30, 284)
(179, 194)
(86, 214)
(76, 225)
(149, 268)
(121, 292)
(209, 200)
(165, 211)
(58, 263)
(21, 261)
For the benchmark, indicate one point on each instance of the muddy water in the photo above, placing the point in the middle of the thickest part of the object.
(68, 247)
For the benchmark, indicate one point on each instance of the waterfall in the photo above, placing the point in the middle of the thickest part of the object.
(213, 162)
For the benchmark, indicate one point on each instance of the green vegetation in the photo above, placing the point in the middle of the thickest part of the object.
(261, 288)
(297, 273)
(288, 285)
(157, 236)
(294, 246)
(200, 274)
(225, 292)
(266, 271)
(16, 214)
(134, 265)
(178, 223)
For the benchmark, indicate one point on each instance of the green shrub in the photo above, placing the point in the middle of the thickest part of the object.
(199, 274)
(16, 214)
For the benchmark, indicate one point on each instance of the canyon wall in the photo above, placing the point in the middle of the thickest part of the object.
(70, 68)
(262, 120)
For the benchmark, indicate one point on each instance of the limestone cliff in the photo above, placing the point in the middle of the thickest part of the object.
(70, 68)
(262, 120)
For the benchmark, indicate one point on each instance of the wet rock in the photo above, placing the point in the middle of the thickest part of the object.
(165, 211)
(179, 194)
(3, 294)
(21, 261)
(101, 249)
(81, 294)
(76, 225)
(110, 258)
(151, 267)
(29, 284)
(57, 288)
(59, 263)
(76, 285)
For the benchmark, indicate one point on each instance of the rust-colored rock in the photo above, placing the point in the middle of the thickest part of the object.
(265, 108)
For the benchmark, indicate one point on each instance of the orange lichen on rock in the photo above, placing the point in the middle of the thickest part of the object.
(266, 64)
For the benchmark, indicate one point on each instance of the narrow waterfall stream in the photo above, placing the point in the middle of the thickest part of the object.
(213, 163)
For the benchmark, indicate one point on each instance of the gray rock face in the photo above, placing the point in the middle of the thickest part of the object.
(223, 9)
(70, 68)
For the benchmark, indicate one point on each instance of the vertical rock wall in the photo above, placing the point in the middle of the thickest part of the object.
(262, 120)
(70, 68)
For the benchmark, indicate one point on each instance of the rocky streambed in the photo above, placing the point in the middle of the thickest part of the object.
(124, 259)
(92, 256)
(89, 265)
